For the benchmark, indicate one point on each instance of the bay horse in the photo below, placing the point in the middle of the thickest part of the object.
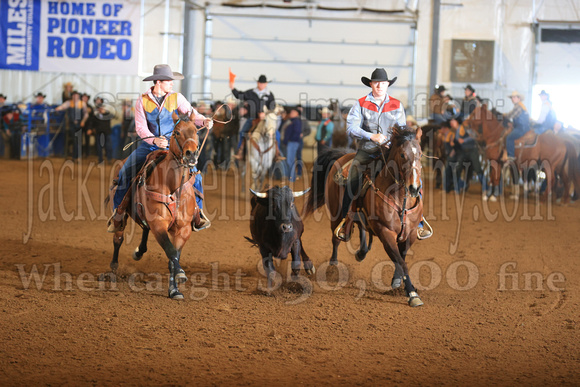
(391, 208)
(261, 147)
(162, 200)
(548, 152)
(225, 127)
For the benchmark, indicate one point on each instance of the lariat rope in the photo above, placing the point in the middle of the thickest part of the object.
(171, 131)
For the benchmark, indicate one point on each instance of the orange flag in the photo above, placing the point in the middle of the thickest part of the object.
(232, 75)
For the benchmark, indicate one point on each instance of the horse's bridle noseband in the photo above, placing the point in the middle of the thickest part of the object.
(181, 159)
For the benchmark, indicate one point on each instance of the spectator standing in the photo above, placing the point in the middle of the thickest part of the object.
(292, 139)
(324, 130)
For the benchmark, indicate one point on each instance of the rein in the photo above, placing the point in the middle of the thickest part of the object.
(388, 199)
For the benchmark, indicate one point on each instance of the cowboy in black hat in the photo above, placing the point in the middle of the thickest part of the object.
(469, 103)
(254, 101)
(153, 121)
(368, 124)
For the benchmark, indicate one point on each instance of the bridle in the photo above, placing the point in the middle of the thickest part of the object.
(181, 159)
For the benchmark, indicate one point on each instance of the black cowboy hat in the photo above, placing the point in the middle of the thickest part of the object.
(3, 96)
(262, 79)
(86, 95)
(379, 75)
(39, 94)
(163, 72)
(439, 89)
(75, 92)
(470, 88)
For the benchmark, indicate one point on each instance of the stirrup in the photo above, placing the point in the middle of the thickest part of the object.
(422, 233)
(204, 222)
(340, 231)
(116, 222)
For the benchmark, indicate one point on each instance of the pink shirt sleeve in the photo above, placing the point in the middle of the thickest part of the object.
(141, 122)
(184, 107)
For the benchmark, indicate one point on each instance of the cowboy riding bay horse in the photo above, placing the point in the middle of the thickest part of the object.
(546, 151)
(391, 208)
(162, 200)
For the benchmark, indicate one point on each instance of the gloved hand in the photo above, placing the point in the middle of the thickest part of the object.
(208, 123)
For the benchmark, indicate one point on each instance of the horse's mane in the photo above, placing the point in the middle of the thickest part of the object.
(403, 133)
(184, 118)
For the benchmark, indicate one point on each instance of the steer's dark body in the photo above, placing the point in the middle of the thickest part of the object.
(277, 229)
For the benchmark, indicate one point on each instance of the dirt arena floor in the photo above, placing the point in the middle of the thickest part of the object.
(500, 283)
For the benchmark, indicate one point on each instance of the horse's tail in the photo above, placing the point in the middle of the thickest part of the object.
(320, 170)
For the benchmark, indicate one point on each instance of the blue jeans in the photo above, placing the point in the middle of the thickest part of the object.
(292, 150)
(134, 164)
(510, 141)
(130, 169)
(245, 129)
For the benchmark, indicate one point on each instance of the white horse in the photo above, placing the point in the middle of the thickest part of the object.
(261, 147)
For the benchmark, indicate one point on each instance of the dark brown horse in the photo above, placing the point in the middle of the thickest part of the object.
(162, 200)
(391, 208)
(546, 151)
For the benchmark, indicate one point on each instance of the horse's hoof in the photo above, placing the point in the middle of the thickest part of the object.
(181, 277)
(333, 262)
(311, 271)
(136, 255)
(114, 266)
(175, 294)
(414, 300)
(396, 283)
(360, 256)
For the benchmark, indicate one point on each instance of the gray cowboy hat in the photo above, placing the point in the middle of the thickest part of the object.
(163, 72)
(379, 75)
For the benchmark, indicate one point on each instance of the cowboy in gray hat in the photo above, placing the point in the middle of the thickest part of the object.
(373, 129)
(153, 122)
(519, 118)
(547, 117)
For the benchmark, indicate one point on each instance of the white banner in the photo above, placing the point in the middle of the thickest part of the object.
(95, 37)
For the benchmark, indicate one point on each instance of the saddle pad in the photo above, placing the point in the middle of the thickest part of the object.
(529, 138)
(341, 175)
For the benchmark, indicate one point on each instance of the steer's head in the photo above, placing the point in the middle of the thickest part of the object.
(280, 204)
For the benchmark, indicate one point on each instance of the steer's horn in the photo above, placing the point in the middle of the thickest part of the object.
(262, 195)
(300, 193)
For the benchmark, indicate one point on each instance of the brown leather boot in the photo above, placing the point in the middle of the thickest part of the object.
(201, 223)
(240, 154)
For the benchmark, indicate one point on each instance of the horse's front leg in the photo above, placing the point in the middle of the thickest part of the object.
(364, 248)
(389, 240)
(181, 236)
(398, 274)
(118, 239)
(174, 267)
(142, 248)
